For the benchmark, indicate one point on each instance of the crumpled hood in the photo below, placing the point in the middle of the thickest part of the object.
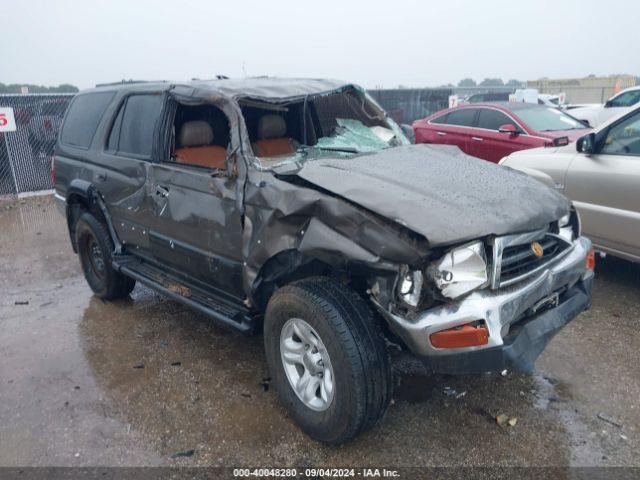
(440, 192)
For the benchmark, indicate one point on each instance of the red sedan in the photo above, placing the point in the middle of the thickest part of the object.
(492, 131)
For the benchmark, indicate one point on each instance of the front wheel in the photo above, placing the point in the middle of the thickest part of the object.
(327, 359)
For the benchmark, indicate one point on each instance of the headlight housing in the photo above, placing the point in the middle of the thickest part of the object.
(460, 270)
(569, 225)
(410, 287)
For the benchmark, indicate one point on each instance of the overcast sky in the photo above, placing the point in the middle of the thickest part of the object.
(413, 43)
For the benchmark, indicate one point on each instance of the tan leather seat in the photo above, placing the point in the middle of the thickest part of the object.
(272, 140)
(195, 146)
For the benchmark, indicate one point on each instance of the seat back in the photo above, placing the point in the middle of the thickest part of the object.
(272, 140)
(195, 146)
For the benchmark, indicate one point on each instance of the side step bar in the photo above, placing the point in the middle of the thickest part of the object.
(233, 315)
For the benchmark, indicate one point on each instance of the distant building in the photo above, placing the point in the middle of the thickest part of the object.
(584, 90)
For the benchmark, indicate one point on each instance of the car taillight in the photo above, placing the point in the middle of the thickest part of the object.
(561, 141)
(53, 170)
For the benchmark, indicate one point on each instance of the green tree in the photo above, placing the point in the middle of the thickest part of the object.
(492, 82)
(514, 83)
(17, 88)
(467, 82)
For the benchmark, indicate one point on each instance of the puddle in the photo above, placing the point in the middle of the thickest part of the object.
(199, 385)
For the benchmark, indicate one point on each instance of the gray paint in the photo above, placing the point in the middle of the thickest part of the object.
(439, 192)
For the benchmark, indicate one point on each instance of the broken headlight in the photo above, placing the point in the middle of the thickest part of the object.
(410, 287)
(569, 226)
(460, 271)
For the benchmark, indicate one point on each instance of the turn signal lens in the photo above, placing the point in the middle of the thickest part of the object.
(591, 259)
(463, 336)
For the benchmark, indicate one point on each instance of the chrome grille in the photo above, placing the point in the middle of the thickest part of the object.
(514, 259)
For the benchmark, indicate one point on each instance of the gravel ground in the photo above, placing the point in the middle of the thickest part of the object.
(132, 383)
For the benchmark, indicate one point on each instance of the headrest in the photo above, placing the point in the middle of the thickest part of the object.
(196, 133)
(271, 126)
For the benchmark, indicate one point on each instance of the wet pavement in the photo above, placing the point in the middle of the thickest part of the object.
(135, 382)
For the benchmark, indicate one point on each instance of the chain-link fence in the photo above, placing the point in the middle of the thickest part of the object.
(26, 152)
(408, 104)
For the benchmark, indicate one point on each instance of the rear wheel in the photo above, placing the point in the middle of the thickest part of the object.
(95, 248)
(327, 359)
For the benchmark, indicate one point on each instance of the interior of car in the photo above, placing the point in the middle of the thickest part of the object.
(278, 130)
(201, 136)
(274, 130)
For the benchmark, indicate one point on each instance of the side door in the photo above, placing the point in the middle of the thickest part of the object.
(605, 187)
(197, 230)
(456, 129)
(126, 155)
(490, 144)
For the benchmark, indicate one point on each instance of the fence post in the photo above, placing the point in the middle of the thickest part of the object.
(13, 173)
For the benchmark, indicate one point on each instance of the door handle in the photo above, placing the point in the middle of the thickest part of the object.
(477, 139)
(442, 134)
(162, 191)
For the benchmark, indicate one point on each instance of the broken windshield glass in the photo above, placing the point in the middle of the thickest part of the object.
(356, 135)
(335, 124)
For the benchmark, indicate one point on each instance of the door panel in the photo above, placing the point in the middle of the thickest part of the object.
(606, 191)
(197, 228)
(494, 146)
(488, 143)
(454, 135)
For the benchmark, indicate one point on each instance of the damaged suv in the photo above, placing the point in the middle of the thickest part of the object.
(298, 208)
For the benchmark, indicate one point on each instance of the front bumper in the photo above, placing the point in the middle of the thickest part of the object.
(516, 337)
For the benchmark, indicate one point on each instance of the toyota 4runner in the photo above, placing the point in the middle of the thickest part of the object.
(298, 208)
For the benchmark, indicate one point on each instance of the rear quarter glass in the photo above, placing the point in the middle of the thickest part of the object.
(83, 117)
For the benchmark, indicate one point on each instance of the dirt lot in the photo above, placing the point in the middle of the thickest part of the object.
(84, 382)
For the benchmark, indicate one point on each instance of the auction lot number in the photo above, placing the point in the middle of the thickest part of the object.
(315, 472)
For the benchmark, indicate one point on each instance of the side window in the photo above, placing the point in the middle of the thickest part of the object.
(626, 99)
(492, 119)
(202, 136)
(133, 129)
(623, 138)
(462, 118)
(83, 118)
(441, 119)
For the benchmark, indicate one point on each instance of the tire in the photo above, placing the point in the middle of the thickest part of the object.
(95, 247)
(355, 350)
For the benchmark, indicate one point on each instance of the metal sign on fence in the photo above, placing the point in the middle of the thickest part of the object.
(7, 120)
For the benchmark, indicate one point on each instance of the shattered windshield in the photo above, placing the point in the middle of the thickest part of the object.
(338, 124)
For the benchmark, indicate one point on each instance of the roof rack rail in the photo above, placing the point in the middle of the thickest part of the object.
(216, 77)
(126, 82)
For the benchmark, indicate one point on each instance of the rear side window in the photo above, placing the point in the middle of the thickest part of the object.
(463, 117)
(440, 119)
(492, 119)
(133, 129)
(83, 118)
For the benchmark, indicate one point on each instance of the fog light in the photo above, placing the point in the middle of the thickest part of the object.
(467, 335)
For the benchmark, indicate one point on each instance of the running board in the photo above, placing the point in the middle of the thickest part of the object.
(234, 315)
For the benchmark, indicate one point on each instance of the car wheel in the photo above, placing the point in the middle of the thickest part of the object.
(327, 359)
(95, 248)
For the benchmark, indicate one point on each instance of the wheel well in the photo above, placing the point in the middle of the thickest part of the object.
(76, 205)
(290, 265)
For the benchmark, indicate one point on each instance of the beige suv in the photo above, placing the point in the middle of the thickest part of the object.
(600, 173)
